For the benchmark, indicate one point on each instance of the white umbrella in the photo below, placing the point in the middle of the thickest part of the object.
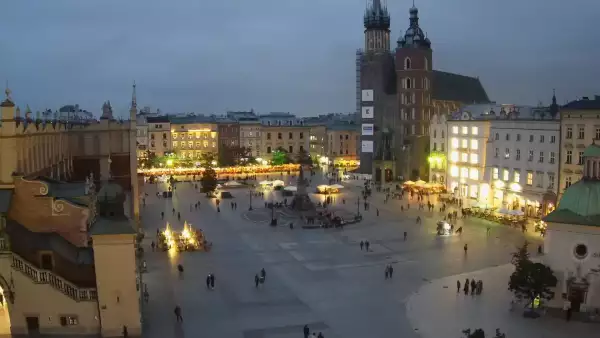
(264, 182)
(277, 183)
(291, 188)
(420, 183)
(337, 186)
(408, 183)
(232, 184)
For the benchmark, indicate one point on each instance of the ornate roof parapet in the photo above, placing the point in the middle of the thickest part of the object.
(414, 35)
(377, 16)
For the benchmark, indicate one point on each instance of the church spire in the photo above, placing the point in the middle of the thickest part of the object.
(554, 105)
(133, 109)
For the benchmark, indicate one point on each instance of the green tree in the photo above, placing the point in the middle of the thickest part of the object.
(530, 280)
(280, 156)
(209, 176)
(303, 158)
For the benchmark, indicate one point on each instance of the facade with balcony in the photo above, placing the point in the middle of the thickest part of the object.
(522, 165)
(289, 138)
(193, 136)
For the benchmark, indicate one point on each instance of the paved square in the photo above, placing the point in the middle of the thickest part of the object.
(317, 277)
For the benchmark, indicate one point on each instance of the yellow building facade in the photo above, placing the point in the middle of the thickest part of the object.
(290, 138)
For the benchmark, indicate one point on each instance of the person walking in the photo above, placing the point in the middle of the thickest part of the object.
(391, 270)
(473, 286)
(306, 331)
(212, 281)
(178, 316)
(320, 335)
(466, 287)
(457, 286)
(208, 281)
(405, 235)
(256, 280)
(377, 209)
(465, 248)
(361, 245)
(263, 274)
(367, 244)
(387, 272)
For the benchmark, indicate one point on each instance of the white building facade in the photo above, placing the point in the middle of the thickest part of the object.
(438, 141)
(522, 165)
(466, 158)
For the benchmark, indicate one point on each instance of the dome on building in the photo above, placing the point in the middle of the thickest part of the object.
(414, 35)
(580, 203)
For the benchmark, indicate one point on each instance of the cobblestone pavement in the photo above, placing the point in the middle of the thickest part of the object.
(437, 310)
(315, 277)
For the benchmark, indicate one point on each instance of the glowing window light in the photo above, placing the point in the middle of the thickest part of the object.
(454, 156)
(474, 159)
(454, 171)
(454, 143)
(474, 174)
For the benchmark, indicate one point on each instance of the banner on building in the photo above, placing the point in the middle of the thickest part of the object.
(367, 146)
(367, 113)
(367, 95)
(367, 129)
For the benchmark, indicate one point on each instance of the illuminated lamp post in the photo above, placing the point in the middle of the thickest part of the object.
(250, 192)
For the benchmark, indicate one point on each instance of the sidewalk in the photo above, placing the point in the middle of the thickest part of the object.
(436, 310)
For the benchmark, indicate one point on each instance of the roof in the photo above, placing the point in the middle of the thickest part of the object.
(584, 104)
(157, 119)
(460, 88)
(5, 198)
(113, 226)
(593, 150)
(343, 127)
(193, 119)
(578, 205)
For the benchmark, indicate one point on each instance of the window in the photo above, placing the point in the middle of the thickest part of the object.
(442, 134)
(434, 146)
(205, 143)
(435, 133)
(473, 191)
(426, 64)
(508, 137)
(291, 149)
(550, 181)
(597, 134)
(581, 133)
(279, 136)
(454, 142)
(268, 150)
(569, 133)
(474, 144)
(291, 136)
(517, 176)
(497, 137)
(454, 171)
(455, 130)
(442, 146)
(464, 143)
(541, 159)
(518, 137)
(464, 172)
(552, 157)
(407, 83)
(529, 178)
(474, 173)
(552, 139)
(474, 159)
(474, 130)
(465, 130)
(505, 174)
(407, 63)
(569, 157)
(530, 157)
(494, 173)
(506, 153)
(413, 114)
(568, 182)
(346, 136)
(541, 138)
(175, 144)
(518, 155)
(69, 320)
(268, 136)
(530, 138)
(464, 157)
(496, 153)
(580, 159)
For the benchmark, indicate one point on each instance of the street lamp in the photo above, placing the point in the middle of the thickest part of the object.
(250, 191)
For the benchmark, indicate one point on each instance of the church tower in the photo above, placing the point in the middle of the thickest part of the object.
(377, 28)
(414, 66)
(135, 193)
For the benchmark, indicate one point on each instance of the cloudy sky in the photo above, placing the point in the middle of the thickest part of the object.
(285, 55)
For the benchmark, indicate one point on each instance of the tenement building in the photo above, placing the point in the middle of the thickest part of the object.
(67, 249)
(399, 93)
(580, 125)
(193, 136)
(572, 240)
(438, 161)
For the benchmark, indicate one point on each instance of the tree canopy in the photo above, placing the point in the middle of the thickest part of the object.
(209, 176)
(530, 280)
(280, 156)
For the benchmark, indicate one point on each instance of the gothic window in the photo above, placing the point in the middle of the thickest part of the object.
(407, 63)
(426, 64)
(408, 83)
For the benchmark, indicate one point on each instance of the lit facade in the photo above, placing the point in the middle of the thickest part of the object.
(142, 136)
(438, 132)
(318, 146)
(159, 135)
(289, 138)
(191, 140)
(341, 143)
(522, 163)
(466, 156)
(580, 127)
(250, 137)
